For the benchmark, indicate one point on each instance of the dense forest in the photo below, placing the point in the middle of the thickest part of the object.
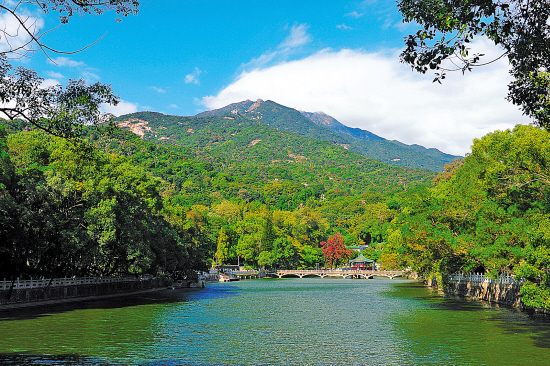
(119, 204)
(488, 213)
(115, 203)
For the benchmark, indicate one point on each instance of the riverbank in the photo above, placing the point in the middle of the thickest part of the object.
(503, 294)
(26, 297)
(498, 293)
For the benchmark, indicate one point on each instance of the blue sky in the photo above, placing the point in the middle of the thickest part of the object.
(339, 57)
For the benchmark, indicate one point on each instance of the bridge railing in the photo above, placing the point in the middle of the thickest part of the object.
(246, 272)
(481, 278)
(339, 271)
(67, 281)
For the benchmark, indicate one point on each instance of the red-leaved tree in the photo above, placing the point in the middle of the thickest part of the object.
(335, 250)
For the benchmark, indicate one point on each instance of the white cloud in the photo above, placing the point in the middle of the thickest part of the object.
(89, 74)
(193, 78)
(49, 82)
(291, 44)
(173, 106)
(123, 107)
(55, 75)
(64, 61)
(263, 60)
(90, 77)
(375, 92)
(343, 26)
(298, 37)
(355, 14)
(158, 90)
(12, 34)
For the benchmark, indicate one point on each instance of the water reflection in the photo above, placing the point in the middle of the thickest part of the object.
(23, 359)
(461, 332)
(274, 322)
(167, 296)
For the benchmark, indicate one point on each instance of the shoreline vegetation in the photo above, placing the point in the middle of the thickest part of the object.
(117, 204)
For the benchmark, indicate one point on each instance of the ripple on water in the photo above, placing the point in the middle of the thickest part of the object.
(274, 322)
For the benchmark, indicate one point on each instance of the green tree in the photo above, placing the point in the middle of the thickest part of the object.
(248, 247)
(520, 28)
(266, 258)
(57, 110)
(268, 233)
(311, 257)
(222, 251)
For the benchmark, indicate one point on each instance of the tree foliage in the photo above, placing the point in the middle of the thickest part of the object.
(335, 251)
(222, 251)
(61, 111)
(520, 28)
(488, 214)
(72, 212)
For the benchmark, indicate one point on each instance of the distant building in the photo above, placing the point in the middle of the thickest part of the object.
(361, 263)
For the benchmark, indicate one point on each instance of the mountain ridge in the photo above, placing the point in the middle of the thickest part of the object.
(246, 147)
(332, 123)
(328, 128)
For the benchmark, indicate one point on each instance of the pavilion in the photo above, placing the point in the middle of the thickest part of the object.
(362, 263)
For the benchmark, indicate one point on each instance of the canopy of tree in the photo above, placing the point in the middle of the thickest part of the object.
(119, 204)
(520, 28)
(57, 110)
(489, 213)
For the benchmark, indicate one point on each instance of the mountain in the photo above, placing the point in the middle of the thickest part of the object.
(331, 123)
(324, 127)
(389, 151)
(279, 117)
(256, 153)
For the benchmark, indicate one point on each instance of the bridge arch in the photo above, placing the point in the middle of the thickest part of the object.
(342, 273)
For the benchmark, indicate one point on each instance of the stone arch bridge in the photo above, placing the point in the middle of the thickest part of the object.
(365, 274)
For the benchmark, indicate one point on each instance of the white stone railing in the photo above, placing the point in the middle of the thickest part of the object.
(339, 271)
(55, 282)
(479, 277)
(246, 272)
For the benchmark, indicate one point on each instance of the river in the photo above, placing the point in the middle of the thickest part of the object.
(276, 322)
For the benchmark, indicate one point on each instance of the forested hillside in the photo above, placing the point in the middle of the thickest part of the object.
(489, 213)
(323, 127)
(267, 153)
(122, 204)
(118, 203)
(279, 117)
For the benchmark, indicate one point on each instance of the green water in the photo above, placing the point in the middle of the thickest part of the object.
(276, 322)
